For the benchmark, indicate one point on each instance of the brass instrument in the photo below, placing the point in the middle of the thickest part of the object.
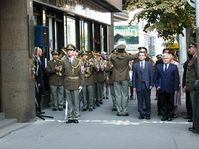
(88, 68)
(62, 53)
(60, 68)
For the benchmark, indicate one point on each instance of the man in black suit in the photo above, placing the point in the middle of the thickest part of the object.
(37, 76)
(143, 83)
(167, 82)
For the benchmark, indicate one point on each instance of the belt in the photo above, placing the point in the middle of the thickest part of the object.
(72, 78)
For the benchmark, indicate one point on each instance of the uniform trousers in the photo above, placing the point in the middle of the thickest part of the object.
(122, 96)
(88, 97)
(57, 93)
(72, 97)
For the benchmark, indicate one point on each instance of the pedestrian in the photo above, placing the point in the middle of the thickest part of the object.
(143, 83)
(167, 82)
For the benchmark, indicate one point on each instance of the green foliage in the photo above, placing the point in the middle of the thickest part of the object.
(167, 17)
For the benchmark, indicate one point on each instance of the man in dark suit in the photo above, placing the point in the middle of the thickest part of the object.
(38, 77)
(143, 83)
(167, 82)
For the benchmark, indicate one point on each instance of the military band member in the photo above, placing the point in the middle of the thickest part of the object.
(120, 70)
(55, 71)
(88, 85)
(100, 77)
(72, 83)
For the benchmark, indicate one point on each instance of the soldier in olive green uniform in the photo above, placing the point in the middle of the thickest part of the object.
(54, 70)
(72, 83)
(89, 82)
(100, 77)
(120, 74)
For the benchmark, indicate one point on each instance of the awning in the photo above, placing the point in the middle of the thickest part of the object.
(110, 5)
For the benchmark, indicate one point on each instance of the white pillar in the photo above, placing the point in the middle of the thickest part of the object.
(182, 47)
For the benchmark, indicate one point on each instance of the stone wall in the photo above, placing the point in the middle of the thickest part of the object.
(17, 89)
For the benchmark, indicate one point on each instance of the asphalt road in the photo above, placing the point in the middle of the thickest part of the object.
(102, 129)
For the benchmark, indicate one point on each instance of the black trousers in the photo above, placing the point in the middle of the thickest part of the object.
(38, 95)
(144, 100)
(188, 104)
(167, 104)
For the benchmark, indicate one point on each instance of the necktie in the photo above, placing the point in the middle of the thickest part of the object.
(142, 66)
(165, 67)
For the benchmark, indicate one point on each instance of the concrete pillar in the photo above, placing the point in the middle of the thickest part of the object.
(17, 88)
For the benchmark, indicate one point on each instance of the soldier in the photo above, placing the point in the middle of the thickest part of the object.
(72, 83)
(120, 70)
(88, 85)
(55, 72)
(100, 77)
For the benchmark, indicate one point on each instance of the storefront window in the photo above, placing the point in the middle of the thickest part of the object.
(71, 33)
(84, 37)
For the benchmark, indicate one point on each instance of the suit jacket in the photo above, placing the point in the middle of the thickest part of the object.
(72, 74)
(140, 76)
(38, 70)
(120, 70)
(168, 80)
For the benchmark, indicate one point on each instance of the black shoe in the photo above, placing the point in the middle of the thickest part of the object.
(191, 128)
(90, 109)
(164, 119)
(141, 117)
(148, 117)
(100, 102)
(119, 114)
(114, 109)
(169, 119)
(125, 114)
(69, 121)
(75, 121)
(195, 131)
(60, 109)
(97, 104)
(190, 120)
(54, 109)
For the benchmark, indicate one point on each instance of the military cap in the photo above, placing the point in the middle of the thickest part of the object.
(70, 47)
(54, 52)
(121, 47)
(84, 53)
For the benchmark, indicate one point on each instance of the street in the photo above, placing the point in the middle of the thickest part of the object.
(102, 129)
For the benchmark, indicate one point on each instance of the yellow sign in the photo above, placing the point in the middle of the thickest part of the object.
(173, 46)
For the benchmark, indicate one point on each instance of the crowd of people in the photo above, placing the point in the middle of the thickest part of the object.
(80, 82)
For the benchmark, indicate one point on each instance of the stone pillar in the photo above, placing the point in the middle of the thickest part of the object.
(17, 88)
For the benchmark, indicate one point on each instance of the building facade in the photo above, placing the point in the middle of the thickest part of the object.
(50, 24)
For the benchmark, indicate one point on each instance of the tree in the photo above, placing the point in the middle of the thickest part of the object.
(167, 17)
